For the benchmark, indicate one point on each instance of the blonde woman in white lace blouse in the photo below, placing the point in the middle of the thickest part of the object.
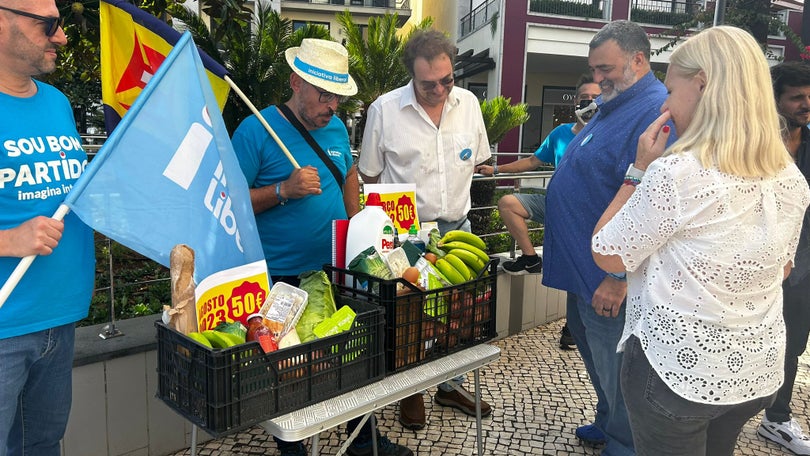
(706, 231)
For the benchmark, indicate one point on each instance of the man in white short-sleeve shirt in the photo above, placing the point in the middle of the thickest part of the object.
(432, 134)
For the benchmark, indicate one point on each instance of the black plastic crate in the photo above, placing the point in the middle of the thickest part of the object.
(421, 326)
(226, 390)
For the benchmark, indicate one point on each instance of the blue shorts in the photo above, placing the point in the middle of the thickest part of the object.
(535, 205)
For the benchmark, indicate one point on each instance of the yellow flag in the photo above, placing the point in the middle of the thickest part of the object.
(133, 45)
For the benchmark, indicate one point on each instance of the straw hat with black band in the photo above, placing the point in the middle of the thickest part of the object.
(324, 64)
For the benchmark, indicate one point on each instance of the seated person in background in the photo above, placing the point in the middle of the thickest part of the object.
(517, 208)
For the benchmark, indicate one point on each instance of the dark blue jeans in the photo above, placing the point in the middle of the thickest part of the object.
(35, 391)
(665, 424)
(597, 337)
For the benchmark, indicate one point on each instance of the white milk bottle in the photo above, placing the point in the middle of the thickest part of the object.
(370, 227)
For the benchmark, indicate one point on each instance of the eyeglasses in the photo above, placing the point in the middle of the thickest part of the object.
(52, 24)
(328, 97)
(447, 83)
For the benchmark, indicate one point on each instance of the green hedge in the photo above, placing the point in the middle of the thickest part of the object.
(564, 8)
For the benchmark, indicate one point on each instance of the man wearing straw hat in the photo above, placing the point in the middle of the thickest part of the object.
(295, 205)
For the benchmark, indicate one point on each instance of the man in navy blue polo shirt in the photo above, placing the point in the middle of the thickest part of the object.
(587, 178)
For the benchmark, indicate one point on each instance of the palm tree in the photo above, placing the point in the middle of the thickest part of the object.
(500, 117)
(375, 62)
(250, 46)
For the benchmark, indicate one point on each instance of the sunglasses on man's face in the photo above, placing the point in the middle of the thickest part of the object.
(52, 24)
(427, 86)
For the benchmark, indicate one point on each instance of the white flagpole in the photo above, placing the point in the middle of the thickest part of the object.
(63, 209)
(25, 263)
(262, 120)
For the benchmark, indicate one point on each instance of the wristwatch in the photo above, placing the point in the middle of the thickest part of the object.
(634, 172)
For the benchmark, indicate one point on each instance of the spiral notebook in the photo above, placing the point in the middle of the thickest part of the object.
(340, 229)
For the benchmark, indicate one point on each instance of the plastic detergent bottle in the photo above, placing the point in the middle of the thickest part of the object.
(370, 227)
(413, 238)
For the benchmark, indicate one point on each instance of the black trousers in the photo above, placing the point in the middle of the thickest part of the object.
(796, 311)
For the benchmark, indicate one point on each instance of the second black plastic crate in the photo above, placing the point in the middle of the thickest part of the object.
(420, 325)
(226, 390)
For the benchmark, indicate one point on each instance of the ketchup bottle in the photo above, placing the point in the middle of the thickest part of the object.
(260, 333)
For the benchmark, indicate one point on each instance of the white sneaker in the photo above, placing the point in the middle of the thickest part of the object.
(789, 434)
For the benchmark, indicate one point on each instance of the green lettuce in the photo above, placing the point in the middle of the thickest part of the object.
(320, 303)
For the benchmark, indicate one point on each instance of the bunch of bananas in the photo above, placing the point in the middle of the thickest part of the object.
(461, 255)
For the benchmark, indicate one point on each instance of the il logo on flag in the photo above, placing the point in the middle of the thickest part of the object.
(168, 175)
(184, 166)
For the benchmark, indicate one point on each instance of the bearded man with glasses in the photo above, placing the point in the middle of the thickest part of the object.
(295, 207)
(37, 322)
(429, 132)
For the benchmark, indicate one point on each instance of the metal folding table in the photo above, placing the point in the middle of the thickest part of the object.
(310, 421)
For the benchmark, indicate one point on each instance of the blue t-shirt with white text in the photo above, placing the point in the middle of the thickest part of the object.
(42, 157)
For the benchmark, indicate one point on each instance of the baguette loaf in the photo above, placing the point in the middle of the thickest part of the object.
(182, 314)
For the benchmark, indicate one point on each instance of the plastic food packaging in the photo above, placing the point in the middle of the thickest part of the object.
(283, 308)
(370, 262)
(397, 261)
(261, 334)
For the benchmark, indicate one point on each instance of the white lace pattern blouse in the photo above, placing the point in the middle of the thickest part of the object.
(704, 253)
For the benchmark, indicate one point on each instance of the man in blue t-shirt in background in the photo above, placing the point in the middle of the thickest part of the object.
(517, 208)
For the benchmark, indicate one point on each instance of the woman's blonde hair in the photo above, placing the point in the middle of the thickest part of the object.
(735, 126)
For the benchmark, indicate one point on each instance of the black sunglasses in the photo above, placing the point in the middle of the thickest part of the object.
(447, 83)
(52, 24)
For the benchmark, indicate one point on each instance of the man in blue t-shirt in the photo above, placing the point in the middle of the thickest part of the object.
(42, 158)
(294, 206)
(517, 208)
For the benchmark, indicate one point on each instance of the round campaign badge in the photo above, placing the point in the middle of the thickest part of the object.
(465, 154)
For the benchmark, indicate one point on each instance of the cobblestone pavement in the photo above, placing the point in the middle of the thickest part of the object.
(539, 393)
